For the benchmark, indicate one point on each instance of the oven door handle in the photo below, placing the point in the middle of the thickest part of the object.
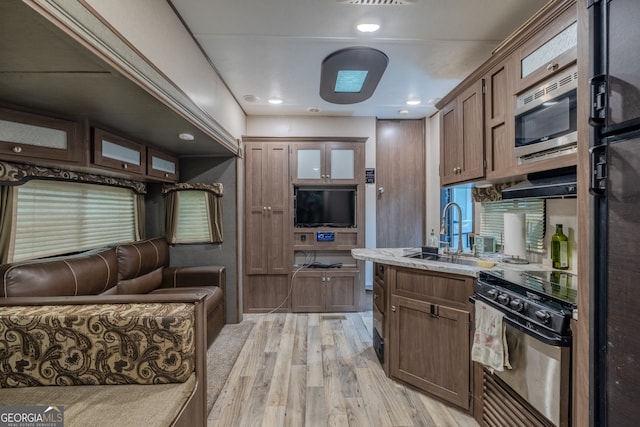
(550, 338)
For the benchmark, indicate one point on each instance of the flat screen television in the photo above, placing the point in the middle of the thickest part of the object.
(329, 207)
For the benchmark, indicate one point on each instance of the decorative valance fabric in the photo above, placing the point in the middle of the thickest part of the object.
(215, 188)
(489, 194)
(17, 173)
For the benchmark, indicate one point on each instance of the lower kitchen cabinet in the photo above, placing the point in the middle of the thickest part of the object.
(429, 337)
(430, 348)
(265, 292)
(326, 291)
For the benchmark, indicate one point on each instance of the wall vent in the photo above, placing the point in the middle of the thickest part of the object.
(378, 2)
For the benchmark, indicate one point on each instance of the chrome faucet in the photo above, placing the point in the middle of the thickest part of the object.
(443, 224)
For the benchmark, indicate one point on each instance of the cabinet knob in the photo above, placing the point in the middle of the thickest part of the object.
(328, 176)
(328, 279)
(393, 308)
(166, 175)
(324, 279)
(268, 208)
(552, 67)
(17, 149)
(125, 166)
(375, 296)
(264, 208)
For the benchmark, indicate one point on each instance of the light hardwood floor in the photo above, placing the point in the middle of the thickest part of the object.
(320, 369)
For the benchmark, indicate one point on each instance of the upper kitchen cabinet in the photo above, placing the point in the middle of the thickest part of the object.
(117, 153)
(461, 137)
(35, 138)
(551, 49)
(498, 120)
(162, 166)
(327, 163)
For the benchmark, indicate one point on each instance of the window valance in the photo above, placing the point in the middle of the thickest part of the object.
(17, 173)
(216, 188)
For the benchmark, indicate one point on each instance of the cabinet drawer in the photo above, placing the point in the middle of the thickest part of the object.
(436, 287)
(378, 296)
(378, 321)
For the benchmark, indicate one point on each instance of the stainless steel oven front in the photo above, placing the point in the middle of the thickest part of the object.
(537, 315)
(540, 374)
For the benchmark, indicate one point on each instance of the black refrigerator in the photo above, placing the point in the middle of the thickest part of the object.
(615, 211)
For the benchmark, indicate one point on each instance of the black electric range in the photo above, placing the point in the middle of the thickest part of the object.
(538, 301)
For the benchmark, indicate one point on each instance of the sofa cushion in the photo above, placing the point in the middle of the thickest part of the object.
(139, 343)
(213, 300)
(141, 284)
(139, 258)
(88, 273)
(108, 405)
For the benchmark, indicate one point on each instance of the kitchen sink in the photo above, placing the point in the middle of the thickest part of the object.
(453, 259)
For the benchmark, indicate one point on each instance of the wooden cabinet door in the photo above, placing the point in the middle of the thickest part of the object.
(462, 137)
(430, 348)
(277, 240)
(267, 209)
(117, 153)
(36, 138)
(162, 165)
(341, 292)
(307, 294)
(450, 152)
(550, 50)
(498, 114)
(472, 138)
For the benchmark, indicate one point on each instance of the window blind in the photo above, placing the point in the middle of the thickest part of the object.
(492, 220)
(56, 217)
(193, 217)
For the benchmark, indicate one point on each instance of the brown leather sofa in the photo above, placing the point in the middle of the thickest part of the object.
(136, 268)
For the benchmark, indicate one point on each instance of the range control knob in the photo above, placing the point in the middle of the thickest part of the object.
(493, 294)
(517, 305)
(503, 299)
(543, 316)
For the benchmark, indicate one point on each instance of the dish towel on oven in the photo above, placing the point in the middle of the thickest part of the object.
(489, 340)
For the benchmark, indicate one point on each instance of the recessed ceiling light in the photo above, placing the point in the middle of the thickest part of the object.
(414, 102)
(275, 101)
(403, 112)
(251, 98)
(186, 136)
(368, 28)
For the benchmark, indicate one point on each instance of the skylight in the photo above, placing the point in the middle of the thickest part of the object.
(350, 81)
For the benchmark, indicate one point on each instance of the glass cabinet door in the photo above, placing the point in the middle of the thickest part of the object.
(342, 163)
(309, 163)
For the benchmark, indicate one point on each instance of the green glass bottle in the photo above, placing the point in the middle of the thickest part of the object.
(560, 249)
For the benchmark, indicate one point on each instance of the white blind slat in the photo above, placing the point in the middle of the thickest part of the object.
(56, 217)
(492, 220)
(193, 217)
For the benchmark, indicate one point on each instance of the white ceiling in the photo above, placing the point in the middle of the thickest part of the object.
(274, 48)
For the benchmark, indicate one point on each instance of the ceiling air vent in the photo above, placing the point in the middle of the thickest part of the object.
(378, 2)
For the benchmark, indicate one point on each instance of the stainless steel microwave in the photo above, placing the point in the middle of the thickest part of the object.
(545, 118)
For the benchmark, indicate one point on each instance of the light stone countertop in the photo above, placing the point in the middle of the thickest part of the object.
(397, 257)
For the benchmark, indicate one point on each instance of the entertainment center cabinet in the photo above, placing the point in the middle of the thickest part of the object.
(296, 260)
